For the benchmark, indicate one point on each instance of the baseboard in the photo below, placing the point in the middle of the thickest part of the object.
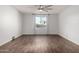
(68, 38)
(9, 40)
(60, 34)
(4, 42)
(18, 36)
(38, 34)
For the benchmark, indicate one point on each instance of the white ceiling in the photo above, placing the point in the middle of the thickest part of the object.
(34, 9)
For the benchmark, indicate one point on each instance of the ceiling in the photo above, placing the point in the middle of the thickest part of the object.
(33, 9)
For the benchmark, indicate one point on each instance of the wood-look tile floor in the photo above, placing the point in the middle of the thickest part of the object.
(40, 44)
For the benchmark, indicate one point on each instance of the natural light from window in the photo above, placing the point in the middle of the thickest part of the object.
(40, 21)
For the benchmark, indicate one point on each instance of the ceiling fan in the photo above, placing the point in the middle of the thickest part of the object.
(45, 8)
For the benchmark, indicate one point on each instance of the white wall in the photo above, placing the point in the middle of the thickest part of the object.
(69, 24)
(28, 24)
(10, 23)
(53, 24)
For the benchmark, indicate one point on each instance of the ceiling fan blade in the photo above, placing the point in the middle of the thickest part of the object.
(44, 7)
(47, 6)
(45, 10)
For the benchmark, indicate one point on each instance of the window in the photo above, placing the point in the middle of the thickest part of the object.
(40, 21)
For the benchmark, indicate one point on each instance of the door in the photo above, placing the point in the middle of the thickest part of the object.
(40, 24)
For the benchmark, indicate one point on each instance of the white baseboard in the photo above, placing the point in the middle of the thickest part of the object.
(68, 38)
(60, 34)
(40, 34)
(4, 42)
(9, 40)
